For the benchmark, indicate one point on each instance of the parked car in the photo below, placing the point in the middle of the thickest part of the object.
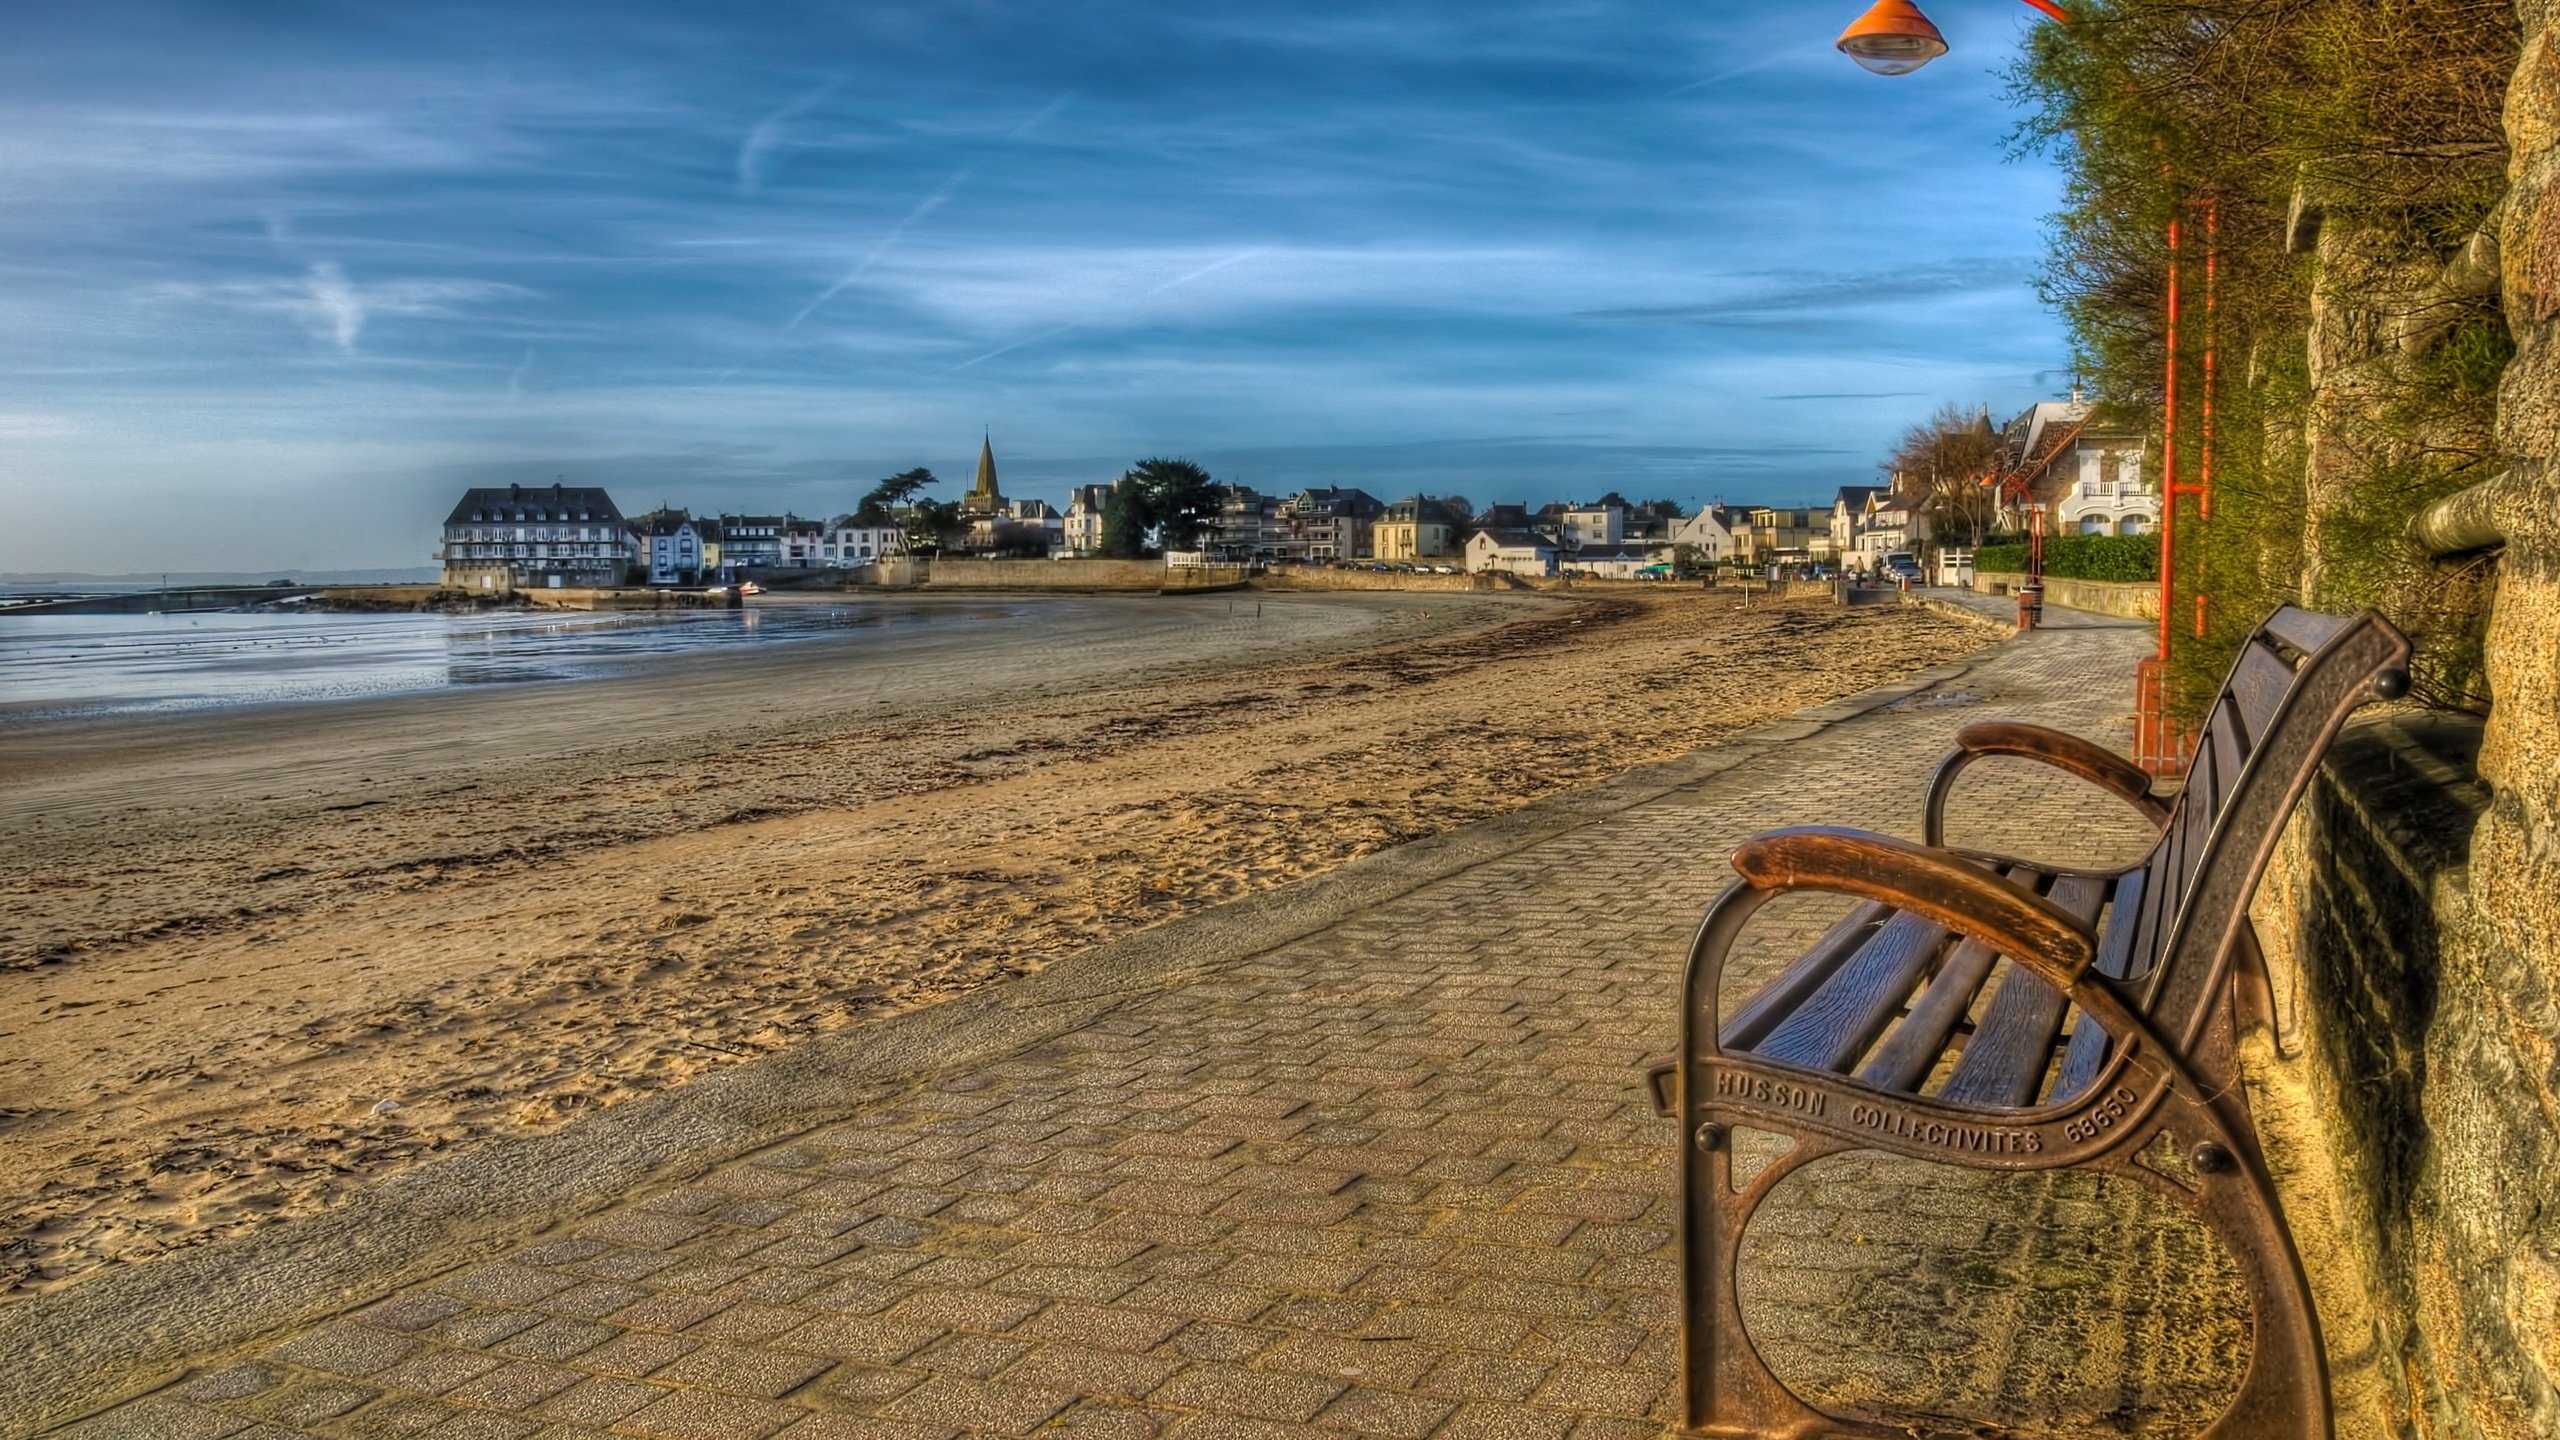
(1902, 565)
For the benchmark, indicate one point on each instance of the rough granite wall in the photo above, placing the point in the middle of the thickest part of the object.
(2486, 1207)
(2416, 1108)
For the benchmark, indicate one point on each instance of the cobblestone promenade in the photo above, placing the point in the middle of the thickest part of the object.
(1394, 1178)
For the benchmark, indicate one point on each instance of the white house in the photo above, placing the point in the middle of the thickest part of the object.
(1886, 527)
(1605, 563)
(1850, 510)
(2086, 470)
(1080, 529)
(1521, 552)
(1598, 525)
(847, 545)
(1710, 532)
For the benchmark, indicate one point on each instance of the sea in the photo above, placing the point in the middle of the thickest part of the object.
(59, 666)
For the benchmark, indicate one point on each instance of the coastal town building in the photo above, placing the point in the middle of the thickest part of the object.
(1245, 528)
(1609, 562)
(750, 543)
(1709, 533)
(1598, 525)
(503, 539)
(675, 547)
(984, 499)
(1887, 523)
(1517, 552)
(1080, 528)
(1652, 522)
(1781, 535)
(1015, 528)
(848, 544)
(2083, 467)
(803, 543)
(1326, 524)
(1849, 512)
(1418, 528)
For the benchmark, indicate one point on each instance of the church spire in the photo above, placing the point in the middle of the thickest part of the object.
(984, 499)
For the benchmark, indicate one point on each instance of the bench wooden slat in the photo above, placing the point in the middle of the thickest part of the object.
(2306, 630)
(1908, 1054)
(2259, 683)
(1911, 1051)
(1845, 1016)
(2208, 785)
(2228, 756)
(2116, 957)
(2005, 1061)
(1776, 1000)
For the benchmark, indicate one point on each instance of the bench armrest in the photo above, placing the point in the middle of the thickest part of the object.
(2014, 922)
(2094, 763)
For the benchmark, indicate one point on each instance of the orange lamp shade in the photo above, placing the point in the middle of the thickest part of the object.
(1894, 38)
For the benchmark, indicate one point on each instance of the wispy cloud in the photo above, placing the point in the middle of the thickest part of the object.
(924, 207)
(334, 304)
(1043, 116)
(1789, 293)
(767, 133)
(1054, 332)
(335, 308)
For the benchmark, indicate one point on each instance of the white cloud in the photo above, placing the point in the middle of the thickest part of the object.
(335, 308)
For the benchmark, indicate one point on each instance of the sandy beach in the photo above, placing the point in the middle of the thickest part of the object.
(252, 958)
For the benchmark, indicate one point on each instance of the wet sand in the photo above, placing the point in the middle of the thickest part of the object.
(251, 959)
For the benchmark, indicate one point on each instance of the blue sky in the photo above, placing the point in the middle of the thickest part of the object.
(276, 279)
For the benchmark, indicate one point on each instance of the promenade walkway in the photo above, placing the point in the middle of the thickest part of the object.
(1392, 1176)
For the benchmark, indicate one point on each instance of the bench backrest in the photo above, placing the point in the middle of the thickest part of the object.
(2294, 683)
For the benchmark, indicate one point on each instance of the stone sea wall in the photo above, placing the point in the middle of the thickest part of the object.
(2412, 920)
(1076, 576)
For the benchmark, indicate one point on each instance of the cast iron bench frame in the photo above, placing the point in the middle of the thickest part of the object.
(2152, 967)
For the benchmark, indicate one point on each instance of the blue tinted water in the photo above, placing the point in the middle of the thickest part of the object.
(58, 665)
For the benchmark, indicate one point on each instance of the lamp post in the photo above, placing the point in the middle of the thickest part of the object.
(1895, 38)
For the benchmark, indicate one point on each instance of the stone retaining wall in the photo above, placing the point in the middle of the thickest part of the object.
(2099, 597)
(1079, 577)
(1298, 578)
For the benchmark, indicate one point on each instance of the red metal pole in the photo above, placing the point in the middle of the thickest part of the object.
(2169, 454)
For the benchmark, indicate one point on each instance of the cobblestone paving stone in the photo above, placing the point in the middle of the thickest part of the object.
(1395, 1179)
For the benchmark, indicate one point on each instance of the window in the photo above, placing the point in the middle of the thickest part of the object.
(2134, 525)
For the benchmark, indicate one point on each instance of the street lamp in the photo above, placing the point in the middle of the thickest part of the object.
(1894, 38)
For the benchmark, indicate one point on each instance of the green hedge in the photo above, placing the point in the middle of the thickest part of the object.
(2132, 559)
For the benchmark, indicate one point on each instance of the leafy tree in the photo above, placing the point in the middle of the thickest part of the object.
(931, 524)
(1159, 504)
(890, 493)
(1943, 461)
(1124, 522)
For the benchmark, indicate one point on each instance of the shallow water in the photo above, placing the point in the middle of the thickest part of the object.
(61, 665)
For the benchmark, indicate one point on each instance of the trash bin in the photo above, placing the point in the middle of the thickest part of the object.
(2030, 605)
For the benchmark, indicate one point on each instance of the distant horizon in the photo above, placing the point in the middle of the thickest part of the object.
(277, 288)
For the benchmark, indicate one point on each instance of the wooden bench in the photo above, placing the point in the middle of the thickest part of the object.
(1989, 1012)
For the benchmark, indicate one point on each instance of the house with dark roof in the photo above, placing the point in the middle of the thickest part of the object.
(1521, 552)
(500, 539)
(1418, 528)
(1330, 522)
(675, 548)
